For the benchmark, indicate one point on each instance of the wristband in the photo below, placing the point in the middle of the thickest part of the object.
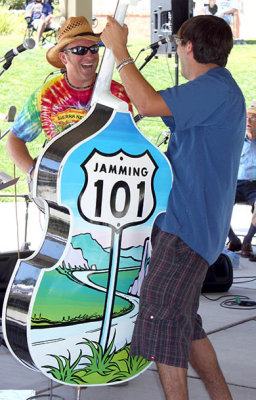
(29, 173)
(124, 62)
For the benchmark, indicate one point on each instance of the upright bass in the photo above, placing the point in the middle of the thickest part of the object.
(70, 308)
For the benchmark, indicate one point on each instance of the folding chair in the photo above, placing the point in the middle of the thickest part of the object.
(29, 29)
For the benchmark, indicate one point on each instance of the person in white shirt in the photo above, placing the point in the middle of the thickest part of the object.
(226, 9)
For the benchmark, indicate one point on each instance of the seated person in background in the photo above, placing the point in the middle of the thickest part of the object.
(211, 8)
(246, 185)
(28, 6)
(41, 14)
(65, 99)
(226, 9)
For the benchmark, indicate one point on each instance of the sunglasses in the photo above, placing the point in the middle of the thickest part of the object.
(83, 50)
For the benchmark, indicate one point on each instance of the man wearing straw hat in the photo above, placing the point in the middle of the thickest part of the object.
(246, 185)
(64, 100)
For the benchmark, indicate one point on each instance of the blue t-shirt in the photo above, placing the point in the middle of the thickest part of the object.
(247, 167)
(207, 126)
(40, 9)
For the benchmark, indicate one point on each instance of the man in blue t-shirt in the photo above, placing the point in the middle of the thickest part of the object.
(246, 185)
(207, 117)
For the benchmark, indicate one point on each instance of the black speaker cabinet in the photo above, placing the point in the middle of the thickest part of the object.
(181, 11)
(7, 263)
(166, 18)
(219, 277)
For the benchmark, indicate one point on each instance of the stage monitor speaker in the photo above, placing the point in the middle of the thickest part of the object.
(181, 11)
(219, 277)
(166, 19)
(161, 21)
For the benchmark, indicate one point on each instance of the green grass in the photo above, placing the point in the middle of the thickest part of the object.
(29, 70)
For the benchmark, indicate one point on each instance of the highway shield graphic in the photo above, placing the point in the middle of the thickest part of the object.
(118, 190)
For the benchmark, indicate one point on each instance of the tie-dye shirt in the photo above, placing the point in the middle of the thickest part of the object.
(55, 107)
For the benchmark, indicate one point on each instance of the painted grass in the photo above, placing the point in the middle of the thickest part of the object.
(98, 368)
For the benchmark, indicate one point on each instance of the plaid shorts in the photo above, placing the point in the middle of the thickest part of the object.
(168, 322)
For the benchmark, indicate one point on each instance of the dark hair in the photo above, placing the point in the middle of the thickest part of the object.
(211, 37)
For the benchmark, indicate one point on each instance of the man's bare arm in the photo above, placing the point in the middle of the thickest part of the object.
(18, 153)
(147, 101)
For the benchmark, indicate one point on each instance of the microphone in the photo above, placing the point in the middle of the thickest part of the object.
(27, 45)
(59, 71)
(169, 38)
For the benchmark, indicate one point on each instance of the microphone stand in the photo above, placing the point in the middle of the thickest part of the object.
(6, 66)
(176, 68)
(167, 135)
(138, 117)
(4, 134)
(148, 58)
(153, 53)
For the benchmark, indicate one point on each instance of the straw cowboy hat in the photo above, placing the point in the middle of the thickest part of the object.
(252, 107)
(73, 29)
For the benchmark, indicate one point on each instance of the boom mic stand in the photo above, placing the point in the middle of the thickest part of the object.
(138, 117)
(4, 134)
(6, 66)
(153, 53)
(149, 57)
(176, 68)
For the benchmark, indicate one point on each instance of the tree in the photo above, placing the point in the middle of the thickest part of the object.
(14, 4)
